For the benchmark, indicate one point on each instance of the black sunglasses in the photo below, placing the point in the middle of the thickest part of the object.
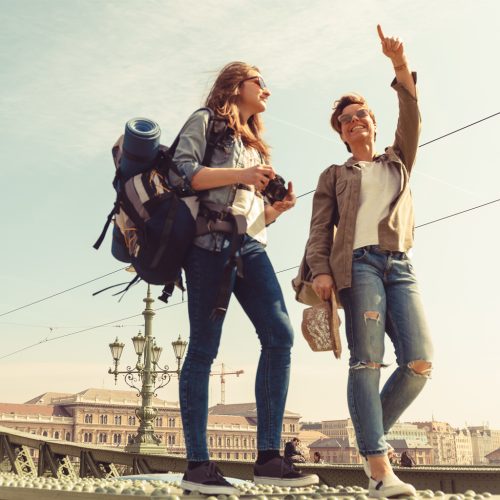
(259, 81)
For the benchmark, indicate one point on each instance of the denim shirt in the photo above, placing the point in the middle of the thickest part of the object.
(188, 157)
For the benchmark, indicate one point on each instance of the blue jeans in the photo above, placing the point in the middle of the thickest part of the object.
(383, 297)
(260, 295)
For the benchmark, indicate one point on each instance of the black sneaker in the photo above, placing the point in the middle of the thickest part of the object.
(279, 472)
(207, 479)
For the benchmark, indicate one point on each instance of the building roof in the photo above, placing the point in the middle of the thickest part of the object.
(331, 443)
(46, 398)
(405, 444)
(93, 395)
(309, 436)
(494, 456)
(228, 420)
(309, 426)
(248, 410)
(33, 409)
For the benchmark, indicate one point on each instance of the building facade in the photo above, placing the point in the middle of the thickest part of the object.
(340, 429)
(108, 418)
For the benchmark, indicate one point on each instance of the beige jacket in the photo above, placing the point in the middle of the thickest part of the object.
(336, 200)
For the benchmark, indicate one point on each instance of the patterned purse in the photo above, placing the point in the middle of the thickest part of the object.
(320, 327)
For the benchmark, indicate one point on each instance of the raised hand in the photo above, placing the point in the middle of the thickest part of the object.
(392, 47)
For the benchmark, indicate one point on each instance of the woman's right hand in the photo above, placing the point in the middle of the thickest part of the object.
(323, 285)
(258, 176)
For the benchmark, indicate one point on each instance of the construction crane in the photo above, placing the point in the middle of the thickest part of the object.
(222, 374)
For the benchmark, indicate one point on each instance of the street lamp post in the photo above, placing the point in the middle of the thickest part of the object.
(152, 377)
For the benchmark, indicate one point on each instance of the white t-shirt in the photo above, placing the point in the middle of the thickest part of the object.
(380, 185)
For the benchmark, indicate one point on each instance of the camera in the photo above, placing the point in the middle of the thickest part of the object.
(276, 190)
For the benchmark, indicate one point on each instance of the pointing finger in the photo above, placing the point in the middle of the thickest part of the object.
(380, 32)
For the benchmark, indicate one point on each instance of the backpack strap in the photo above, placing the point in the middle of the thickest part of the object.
(109, 218)
(213, 136)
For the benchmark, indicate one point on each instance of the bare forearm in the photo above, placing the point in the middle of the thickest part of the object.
(271, 214)
(210, 178)
(404, 76)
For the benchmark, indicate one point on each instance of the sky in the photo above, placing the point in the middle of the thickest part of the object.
(73, 72)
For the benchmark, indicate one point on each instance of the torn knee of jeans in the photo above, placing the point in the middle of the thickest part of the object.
(360, 365)
(421, 367)
(371, 315)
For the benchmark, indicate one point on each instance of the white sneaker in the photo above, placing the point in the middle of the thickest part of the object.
(366, 464)
(390, 486)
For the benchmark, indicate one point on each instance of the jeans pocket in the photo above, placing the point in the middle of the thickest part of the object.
(359, 254)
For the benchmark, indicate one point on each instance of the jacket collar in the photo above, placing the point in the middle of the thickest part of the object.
(351, 161)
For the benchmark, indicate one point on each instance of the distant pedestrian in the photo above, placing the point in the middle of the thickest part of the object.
(407, 460)
(293, 454)
(317, 458)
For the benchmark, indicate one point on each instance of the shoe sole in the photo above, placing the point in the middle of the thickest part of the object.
(276, 481)
(209, 489)
(393, 491)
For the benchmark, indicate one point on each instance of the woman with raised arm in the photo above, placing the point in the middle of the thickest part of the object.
(361, 231)
(229, 182)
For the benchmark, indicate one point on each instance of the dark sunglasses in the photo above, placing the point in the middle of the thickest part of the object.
(258, 80)
(347, 117)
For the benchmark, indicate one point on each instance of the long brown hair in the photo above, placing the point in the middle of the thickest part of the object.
(223, 100)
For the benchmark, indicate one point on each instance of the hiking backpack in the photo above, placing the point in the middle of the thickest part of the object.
(154, 223)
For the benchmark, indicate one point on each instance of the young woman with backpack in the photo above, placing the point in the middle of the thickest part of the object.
(230, 185)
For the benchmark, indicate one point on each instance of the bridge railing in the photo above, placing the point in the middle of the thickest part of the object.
(63, 459)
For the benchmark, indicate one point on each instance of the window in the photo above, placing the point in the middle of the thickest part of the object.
(245, 443)
(253, 456)
(211, 441)
(228, 455)
(219, 455)
(45, 433)
(130, 438)
(103, 419)
(159, 422)
(236, 455)
(171, 422)
(117, 439)
(103, 437)
(88, 418)
(219, 442)
(253, 443)
(171, 439)
(131, 420)
(87, 437)
(228, 443)
(68, 436)
(237, 443)
(245, 456)
(56, 435)
(118, 420)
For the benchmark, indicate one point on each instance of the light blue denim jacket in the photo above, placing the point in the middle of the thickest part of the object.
(188, 159)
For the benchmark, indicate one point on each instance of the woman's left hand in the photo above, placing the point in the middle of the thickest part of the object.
(288, 201)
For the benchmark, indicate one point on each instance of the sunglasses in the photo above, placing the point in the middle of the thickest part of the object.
(347, 117)
(258, 80)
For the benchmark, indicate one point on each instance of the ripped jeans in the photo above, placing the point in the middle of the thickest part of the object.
(383, 298)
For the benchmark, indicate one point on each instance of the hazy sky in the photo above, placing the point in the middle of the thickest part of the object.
(74, 71)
